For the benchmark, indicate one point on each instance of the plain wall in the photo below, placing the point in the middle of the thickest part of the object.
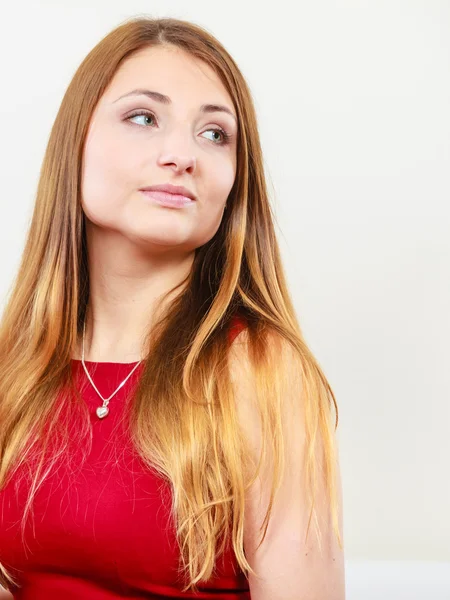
(353, 100)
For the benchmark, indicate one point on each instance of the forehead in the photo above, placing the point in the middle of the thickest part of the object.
(170, 71)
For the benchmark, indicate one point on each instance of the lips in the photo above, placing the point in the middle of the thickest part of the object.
(170, 190)
(169, 200)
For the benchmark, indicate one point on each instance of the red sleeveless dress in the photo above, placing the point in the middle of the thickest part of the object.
(105, 531)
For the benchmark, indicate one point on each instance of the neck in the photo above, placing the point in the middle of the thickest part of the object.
(125, 287)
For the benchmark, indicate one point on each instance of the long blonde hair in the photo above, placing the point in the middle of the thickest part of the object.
(183, 414)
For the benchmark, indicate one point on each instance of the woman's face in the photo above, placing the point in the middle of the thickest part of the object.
(173, 141)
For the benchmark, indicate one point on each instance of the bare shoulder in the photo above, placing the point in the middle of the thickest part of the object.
(283, 368)
(277, 380)
(288, 567)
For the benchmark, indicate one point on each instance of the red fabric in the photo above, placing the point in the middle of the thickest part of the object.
(103, 532)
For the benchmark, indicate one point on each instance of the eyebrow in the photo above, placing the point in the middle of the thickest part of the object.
(205, 108)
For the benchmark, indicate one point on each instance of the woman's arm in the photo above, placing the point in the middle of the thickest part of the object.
(288, 568)
(4, 595)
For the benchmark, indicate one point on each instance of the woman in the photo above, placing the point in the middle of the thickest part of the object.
(166, 432)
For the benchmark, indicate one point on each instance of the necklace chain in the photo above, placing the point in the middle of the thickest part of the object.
(103, 410)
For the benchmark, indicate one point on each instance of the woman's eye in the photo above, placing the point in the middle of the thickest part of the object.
(225, 136)
(147, 115)
(223, 140)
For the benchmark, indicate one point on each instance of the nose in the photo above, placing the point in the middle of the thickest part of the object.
(178, 162)
(177, 152)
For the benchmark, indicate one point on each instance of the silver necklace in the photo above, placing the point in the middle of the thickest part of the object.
(103, 410)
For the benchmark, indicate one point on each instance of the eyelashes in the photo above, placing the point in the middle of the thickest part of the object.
(226, 137)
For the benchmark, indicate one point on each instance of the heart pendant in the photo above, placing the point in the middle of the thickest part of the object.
(102, 411)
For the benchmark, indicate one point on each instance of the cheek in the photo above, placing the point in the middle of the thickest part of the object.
(220, 181)
(218, 185)
(105, 169)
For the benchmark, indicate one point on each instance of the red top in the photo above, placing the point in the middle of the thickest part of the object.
(104, 531)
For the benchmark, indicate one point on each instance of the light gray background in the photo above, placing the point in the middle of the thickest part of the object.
(353, 100)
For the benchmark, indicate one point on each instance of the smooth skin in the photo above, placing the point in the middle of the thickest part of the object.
(137, 249)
